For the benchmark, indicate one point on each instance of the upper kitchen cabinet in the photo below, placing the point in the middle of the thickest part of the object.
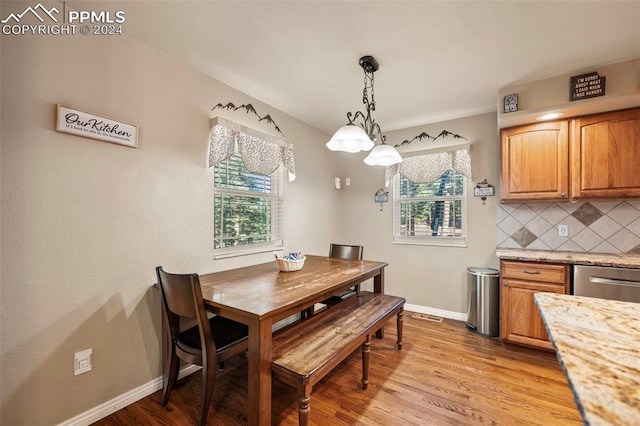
(605, 153)
(535, 160)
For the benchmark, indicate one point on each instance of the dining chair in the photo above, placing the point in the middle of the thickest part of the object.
(208, 343)
(340, 251)
(343, 251)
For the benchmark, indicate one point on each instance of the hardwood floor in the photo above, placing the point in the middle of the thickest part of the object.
(444, 375)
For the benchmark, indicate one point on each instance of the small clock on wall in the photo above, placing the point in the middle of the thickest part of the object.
(511, 103)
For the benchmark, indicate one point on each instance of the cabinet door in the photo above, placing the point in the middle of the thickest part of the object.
(605, 149)
(520, 319)
(535, 161)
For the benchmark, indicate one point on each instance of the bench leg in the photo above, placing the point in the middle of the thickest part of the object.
(304, 402)
(366, 350)
(399, 326)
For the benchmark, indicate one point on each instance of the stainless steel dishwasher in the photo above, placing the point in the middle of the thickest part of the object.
(607, 283)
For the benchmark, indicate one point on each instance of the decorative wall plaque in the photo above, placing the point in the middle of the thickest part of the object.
(586, 86)
(511, 103)
(92, 126)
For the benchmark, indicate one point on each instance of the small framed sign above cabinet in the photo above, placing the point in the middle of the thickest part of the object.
(511, 103)
(587, 86)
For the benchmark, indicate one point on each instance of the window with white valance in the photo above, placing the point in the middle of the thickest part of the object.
(430, 197)
(249, 169)
(429, 165)
(260, 153)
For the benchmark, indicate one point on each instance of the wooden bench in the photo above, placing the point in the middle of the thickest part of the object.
(304, 353)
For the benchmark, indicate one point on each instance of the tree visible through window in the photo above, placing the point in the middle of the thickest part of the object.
(431, 213)
(246, 206)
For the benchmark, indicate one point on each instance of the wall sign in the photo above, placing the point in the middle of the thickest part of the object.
(586, 86)
(96, 127)
(483, 190)
(381, 196)
(510, 103)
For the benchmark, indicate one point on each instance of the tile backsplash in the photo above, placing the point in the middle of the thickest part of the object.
(594, 226)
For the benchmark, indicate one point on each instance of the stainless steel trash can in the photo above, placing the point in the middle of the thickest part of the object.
(483, 290)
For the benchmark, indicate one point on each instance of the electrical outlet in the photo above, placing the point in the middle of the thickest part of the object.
(82, 361)
(563, 230)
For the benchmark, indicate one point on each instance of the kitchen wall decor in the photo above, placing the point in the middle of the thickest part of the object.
(587, 86)
(425, 135)
(381, 196)
(92, 126)
(510, 103)
(249, 109)
(483, 190)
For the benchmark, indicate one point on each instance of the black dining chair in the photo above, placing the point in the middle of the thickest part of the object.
(208, 343)
(343, 251)
(340, 251)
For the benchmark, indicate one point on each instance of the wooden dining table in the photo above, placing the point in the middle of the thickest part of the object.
(260, 295)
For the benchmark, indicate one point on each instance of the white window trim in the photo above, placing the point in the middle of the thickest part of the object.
(428, 241)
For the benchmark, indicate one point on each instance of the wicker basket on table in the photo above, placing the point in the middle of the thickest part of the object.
(286, 265)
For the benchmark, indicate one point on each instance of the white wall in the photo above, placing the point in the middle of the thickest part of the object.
(85, 222)
(428, 276)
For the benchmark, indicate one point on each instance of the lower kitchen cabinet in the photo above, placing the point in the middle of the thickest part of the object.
(520, 321)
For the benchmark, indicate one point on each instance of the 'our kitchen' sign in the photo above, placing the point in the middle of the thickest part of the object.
(93, 126)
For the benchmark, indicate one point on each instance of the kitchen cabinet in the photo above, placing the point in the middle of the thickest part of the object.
(535, 162)
(604, 152)
(588, 157)
(520, 321)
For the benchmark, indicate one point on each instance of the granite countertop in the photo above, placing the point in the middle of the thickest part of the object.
(596, 259)
(597, 342)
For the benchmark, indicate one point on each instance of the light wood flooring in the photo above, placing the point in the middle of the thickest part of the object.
(444, 375)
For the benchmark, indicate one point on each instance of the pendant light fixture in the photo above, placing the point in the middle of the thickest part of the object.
(362, 137)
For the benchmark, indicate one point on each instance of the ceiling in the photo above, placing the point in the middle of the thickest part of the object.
(438, 60)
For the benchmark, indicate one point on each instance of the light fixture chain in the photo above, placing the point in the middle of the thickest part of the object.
(368, 83)
(373, 93)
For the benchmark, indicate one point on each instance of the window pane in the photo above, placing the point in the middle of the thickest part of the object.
(431, 218)
(232, 174)
(431, 213)
(450, 183)
(241, 220)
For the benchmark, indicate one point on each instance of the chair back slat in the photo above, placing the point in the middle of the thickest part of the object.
(343, 251)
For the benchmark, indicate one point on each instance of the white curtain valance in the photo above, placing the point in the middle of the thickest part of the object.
(260, 153)
(428, 167)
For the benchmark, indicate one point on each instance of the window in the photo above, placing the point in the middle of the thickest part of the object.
(247, 209)
(248, 175)
(432, 213)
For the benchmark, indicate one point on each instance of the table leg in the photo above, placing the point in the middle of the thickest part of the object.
(259, 386)
(378, 287)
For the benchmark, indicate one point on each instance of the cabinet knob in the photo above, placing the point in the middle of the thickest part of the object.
(505, 283)
(564, 195)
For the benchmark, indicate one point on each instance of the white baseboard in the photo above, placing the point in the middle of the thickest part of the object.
(127, 398)
(435, 312)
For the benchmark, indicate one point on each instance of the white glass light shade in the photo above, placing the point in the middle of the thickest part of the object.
(350, 138)
(383, 155)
